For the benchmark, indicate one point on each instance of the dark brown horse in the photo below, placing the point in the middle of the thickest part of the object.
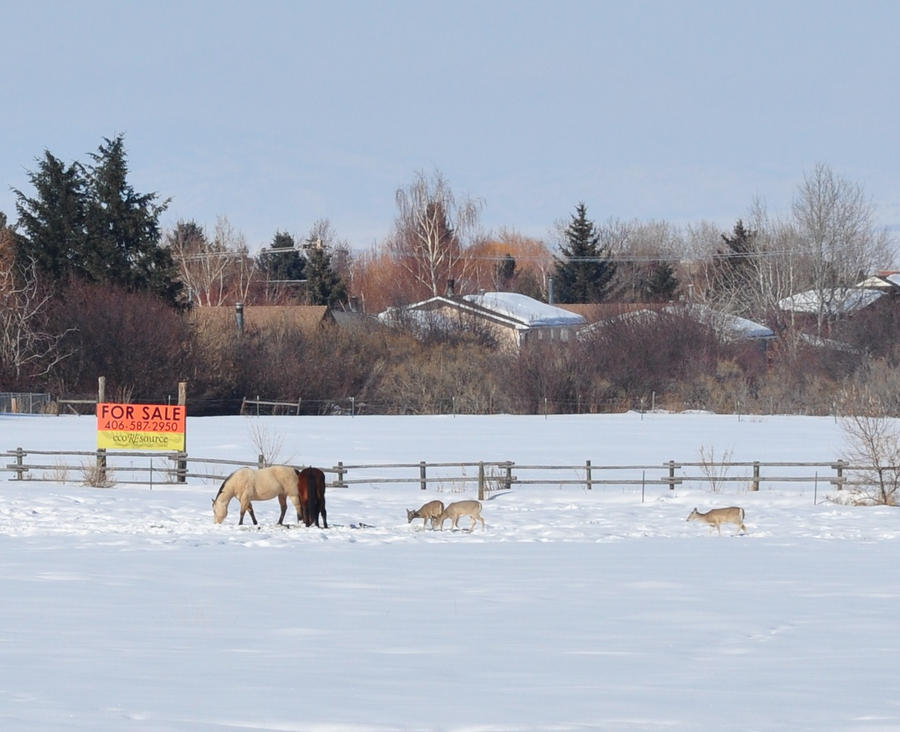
(311, 487)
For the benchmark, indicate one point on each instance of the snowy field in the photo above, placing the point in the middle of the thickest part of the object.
(127, 608)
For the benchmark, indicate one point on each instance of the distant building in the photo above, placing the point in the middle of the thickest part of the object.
(509, 317)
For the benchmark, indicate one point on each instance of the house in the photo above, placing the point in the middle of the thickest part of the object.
(727, 327)
(838, 303)
(873, 300)
(509, 317)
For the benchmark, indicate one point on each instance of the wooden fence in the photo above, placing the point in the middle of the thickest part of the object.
(150, 468)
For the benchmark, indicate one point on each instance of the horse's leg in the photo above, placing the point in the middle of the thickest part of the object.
(322, 510)
(282, 501)
(311, 506)
(296, 501)
(252, 515)
(311, 513)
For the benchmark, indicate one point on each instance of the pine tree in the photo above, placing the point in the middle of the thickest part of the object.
(506, 271)
(88, 222)
(286, 265)
(660, 283)
(324, 285)
(52, 223)
(732, 264)
(585, 270)
(123, 234)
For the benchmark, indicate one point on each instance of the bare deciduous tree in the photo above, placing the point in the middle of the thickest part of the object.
(836, 227)
(431, 230)
(27, 348)
(215, 272)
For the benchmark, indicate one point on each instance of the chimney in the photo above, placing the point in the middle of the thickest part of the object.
(551, 290)
(451, 288)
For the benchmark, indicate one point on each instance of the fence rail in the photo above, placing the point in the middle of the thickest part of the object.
(143, 468)
(24, 402)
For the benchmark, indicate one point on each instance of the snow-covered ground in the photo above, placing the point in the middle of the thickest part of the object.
(127, 608)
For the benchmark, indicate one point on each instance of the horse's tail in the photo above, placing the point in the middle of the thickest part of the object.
(320, 488)
(316, 484)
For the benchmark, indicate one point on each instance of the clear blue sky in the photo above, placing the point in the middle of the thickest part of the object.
(276, 114)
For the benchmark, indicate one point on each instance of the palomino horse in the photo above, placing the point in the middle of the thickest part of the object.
(250, 484)
(311, 487)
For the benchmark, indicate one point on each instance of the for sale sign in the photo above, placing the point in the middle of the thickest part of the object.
(141, 426)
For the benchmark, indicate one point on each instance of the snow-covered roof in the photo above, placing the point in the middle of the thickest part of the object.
(847, 300)
(729, 327)
(726, 324)
(510, 308)
(533, 313)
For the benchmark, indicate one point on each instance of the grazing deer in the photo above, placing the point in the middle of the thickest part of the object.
(472, 509)
(429, 512)
(718, 516)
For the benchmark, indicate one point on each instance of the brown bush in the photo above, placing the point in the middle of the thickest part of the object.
(137, 341)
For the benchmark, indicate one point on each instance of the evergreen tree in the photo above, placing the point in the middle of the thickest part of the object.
(660, 283)
(732, 263)
(123, 234)
(506, 272)
(325, 286)
(289, 264)
(584, 272)
(52, 222)
(90, 223)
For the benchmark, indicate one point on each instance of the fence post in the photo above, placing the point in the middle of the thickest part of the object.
(423, 483)
(260, 462)
(508, 478)
(671, 475)
(181, 467)
(340, 473)
(755, 475)
(20, 461)
(587, 473)
(481, 481)
(839, 480)
(101, 466)
(182, 456)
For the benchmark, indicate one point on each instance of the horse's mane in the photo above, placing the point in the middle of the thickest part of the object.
(222, 487)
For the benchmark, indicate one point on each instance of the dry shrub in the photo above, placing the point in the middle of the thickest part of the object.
(441, 380)
(96, 476)
(873, 443)
(134, 339)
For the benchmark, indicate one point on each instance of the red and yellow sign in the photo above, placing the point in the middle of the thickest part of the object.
(141, 426)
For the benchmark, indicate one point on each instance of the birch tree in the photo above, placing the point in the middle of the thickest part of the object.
(431, 231)
(216, 272)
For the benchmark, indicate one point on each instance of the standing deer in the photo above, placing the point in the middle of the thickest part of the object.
(429, 512)
(472, 509)
(718, 516)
